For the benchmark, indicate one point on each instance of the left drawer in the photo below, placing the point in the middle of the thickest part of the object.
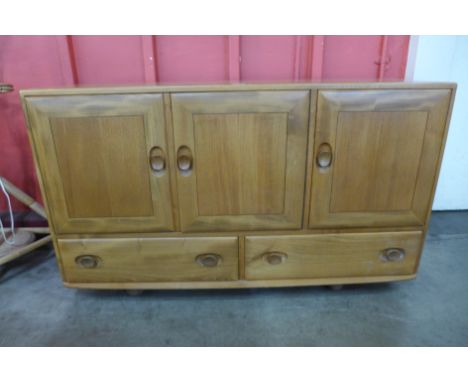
(149, 260)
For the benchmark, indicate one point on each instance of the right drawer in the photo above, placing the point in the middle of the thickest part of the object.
(332, 255)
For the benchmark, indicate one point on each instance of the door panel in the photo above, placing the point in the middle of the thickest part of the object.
(382, 164)
(94, 152)
(249, 153)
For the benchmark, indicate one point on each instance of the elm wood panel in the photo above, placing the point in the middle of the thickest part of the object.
(103, 166)
(310, 158)
(330, 255)
(242, 170)
(150, 260)
(72, 132)
(171, 161)
(239, 233)
(228, 86)
(384, 147)
(180, 285)
(243, 158)
(337, 200)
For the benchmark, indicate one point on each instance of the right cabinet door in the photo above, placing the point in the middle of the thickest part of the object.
(376, 154)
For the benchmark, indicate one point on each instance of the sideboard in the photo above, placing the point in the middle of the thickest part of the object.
(241, 185)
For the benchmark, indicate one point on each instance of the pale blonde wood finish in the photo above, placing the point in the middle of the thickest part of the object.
(171, 164)
(93, 153)
(249, 157)
(150, 260)
(98, 229)
(241, 283)
(377, 156)
(103, 166)
(330, 255)
(223, 87)
(385, 148)
(242, 162)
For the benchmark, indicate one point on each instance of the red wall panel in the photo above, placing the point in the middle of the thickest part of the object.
(268, 58)
(55, 61)
(351, 58)
(106, 60)
(396, 57)
(25, 62)
(191, 59)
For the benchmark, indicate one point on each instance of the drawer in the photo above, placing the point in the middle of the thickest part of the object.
(332, 255)
(149, 260)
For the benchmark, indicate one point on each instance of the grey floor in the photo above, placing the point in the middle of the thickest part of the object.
(36, 310)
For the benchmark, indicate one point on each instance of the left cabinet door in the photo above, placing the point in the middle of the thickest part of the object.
(102, 161)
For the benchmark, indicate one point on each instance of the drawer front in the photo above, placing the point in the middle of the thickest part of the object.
(149, 260)
(332, 255)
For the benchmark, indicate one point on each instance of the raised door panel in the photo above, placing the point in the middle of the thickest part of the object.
(247, 156)
(375, 156)
(94, 154)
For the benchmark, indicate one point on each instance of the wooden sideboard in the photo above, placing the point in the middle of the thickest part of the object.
(230, 186)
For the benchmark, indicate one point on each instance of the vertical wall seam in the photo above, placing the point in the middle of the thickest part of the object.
(148, 45)
(233, 58)
(316, 64)
(67, 60)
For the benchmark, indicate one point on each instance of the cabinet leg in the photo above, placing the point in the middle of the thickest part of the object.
(336, 287)
(134, 292)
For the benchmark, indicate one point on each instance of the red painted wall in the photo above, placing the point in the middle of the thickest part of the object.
(57, 61)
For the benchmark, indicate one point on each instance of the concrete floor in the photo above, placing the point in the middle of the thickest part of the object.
(36, 310)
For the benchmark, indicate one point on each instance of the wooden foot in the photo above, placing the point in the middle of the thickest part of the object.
(336, 287)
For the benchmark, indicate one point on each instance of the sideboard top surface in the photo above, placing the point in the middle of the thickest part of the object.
(166, 88)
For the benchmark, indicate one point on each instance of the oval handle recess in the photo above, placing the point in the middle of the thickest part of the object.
(209, 260)
(324, 156)
(392, 254)
(88, 261)
(275, 258)
(157, 160)
(184, 159)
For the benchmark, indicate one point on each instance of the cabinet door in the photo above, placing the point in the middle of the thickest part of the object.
(102, 161)
(241, 159)
(376, 155)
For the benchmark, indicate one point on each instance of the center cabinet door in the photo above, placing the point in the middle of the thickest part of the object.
(241, 159)
(103, 161)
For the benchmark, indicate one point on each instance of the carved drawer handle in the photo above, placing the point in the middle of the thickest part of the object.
(209, 260)
(275, 258)
(88, 261)
(157, 160)
(184, 160)
(392, 254)
(324, 156)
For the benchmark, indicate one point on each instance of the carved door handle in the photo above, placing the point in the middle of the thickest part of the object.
(184, 160)
(324, 156)
(157, 160)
